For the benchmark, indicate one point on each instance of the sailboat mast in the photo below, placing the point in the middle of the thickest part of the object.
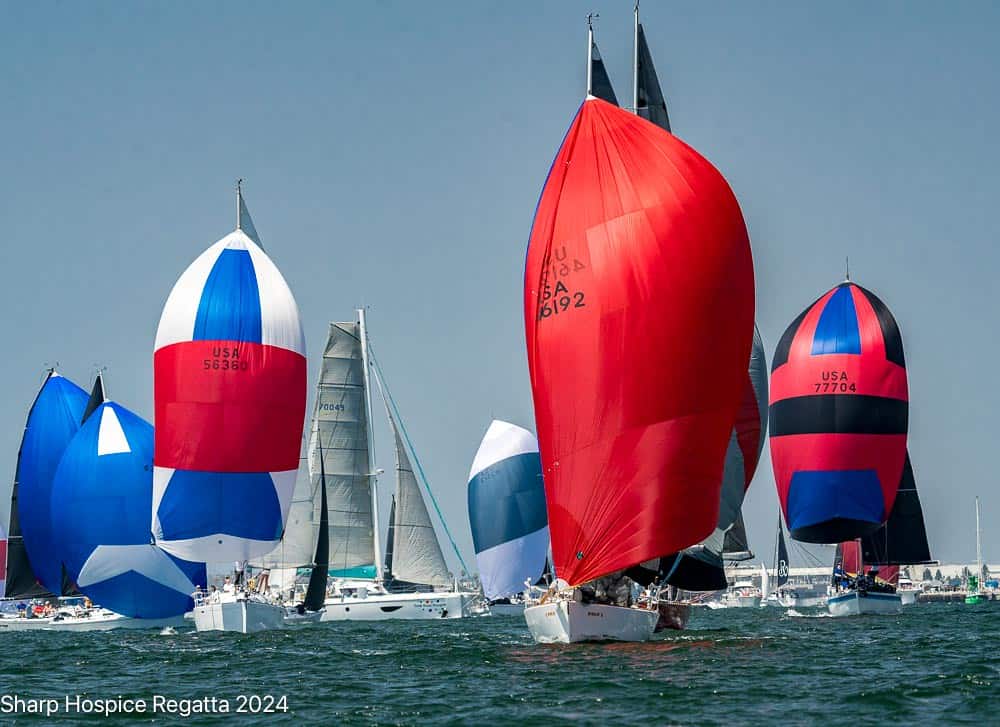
(590, 52)
(373, 475)
(635, 61)
(239, 206)
(979, 551)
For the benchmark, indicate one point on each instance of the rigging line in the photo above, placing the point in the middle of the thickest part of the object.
(387, 397)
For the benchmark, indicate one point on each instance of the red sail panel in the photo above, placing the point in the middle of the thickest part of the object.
(839, 411)
(851, 557)
(889, 574)
(639, 306)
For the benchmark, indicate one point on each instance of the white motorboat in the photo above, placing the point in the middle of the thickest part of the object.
(371, 602)
(74, 618)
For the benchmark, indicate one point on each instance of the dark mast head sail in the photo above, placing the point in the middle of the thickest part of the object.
(647, 96)
(902, 539)
(598, 81)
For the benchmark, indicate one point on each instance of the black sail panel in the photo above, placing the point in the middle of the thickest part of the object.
(316, 590)
(735, 547)
(97, 397)
(902, 540)
(650, 103)
(781, 564)
(391, 538)
(600, 82)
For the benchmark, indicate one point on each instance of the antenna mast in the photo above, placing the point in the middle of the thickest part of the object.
(239, 204)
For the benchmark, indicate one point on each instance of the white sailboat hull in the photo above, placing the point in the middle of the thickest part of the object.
(105, 621)
(241, 616)
(507, 609)
(568, 622)
(406, 606)
(856, 603)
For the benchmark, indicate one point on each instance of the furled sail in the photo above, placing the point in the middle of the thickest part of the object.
(229, 373)
(340, 424)
(839, 416)
(902, 540)
(53, 420)
(632, 234)
(650, 103)
(3, 560)
(507, 510)
(101, 500)
(417, 556)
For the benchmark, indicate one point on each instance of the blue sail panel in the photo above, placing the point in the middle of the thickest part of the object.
(52, 422)
(507, 510)
(101, 499)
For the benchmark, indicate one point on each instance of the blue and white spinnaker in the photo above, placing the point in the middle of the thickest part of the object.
(507, 510)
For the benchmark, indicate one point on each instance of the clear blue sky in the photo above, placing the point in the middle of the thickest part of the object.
(393, 153)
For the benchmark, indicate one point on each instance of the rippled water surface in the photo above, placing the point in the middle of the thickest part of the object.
(932, 663)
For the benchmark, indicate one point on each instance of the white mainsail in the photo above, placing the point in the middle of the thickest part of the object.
(340, 422)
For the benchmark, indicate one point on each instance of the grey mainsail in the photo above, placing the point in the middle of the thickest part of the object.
(340, 423)
(417, 556)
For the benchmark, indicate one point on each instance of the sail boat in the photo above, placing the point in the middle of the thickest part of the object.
(702, 567)
(632, 437)
(416, 584)
(507, 515)
(839, 413)
(974, 587)
(229, 372)
(45, 440)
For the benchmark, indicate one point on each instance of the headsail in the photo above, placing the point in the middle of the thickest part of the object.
(101, 499)
(632, 435)
(229, 374)
(339, 429)
(507, 510)
(902, 540)
(417, 556)
(649, 102)
(53, 420)
(839, 410)
(244, 221)
(781, 559)
(316, 591)
(3, 559)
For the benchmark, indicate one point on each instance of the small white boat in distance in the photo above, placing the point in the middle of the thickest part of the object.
(239, 611)
(94, 619)
(368, 601)
(563, 620)
(859, 603)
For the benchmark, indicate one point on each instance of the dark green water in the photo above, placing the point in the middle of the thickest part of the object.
(931, 664)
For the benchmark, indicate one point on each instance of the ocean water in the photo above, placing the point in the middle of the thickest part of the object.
(933, 663)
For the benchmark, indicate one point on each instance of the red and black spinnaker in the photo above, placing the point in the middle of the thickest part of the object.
(839, 415)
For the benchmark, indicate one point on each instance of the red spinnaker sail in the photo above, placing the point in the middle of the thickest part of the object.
(639, 309)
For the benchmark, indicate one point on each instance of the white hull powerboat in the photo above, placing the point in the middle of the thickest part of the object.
(567, 622)
(99, 620)
(241, 613)
(908, 596)
(382, 606)
(858, 603)
(507, 609)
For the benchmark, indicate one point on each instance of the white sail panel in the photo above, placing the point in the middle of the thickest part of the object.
(340, 423)
(417, 556)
